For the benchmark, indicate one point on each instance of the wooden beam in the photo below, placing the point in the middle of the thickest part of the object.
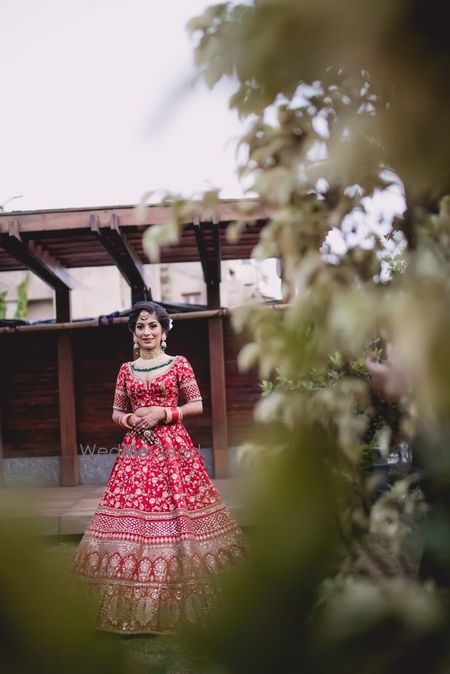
(56, 268)
(34, 257)
(218, 384)
(70, 470)
(94, 322)
(144, 295)
(68, 235)
(124, 256)
(79, 218)
(207, 236)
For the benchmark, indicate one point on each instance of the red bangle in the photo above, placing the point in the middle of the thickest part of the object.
(175, 414)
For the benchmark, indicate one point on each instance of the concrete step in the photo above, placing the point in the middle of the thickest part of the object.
(62, 511)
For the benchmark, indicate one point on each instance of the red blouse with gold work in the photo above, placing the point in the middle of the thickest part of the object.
(163, 390)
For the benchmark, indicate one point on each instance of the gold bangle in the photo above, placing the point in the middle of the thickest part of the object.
(168, 415)
(125, 421)
(180, 413)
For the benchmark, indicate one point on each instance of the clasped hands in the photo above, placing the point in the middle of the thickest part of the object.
(146, 417)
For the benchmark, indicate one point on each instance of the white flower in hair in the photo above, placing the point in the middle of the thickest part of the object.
(170, 324)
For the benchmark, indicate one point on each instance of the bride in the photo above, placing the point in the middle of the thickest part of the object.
(161, 534)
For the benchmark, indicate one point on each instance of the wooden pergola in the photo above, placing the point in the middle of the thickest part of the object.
(49, 243)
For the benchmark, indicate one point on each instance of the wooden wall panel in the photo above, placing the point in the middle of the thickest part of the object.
(29, 393)
(98, 354)
(243, 391)
(190, 338)
(29, 386)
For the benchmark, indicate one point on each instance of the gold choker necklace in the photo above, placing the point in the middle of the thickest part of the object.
(151, 355)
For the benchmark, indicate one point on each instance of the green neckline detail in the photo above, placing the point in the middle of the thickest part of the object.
(149, 369)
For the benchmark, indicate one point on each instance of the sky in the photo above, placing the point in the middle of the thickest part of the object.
(98, 108)
(97, 105)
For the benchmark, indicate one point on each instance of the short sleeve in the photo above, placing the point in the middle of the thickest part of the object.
(120, 394)
(186, 381)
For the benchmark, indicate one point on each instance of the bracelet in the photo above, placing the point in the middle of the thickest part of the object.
(173, 415)
(123, 421)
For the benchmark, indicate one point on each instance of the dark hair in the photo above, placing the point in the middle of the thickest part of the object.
(161, 315)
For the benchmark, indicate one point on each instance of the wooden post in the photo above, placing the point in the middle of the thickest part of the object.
(218, 390)
(3, 392)
(62, 301)
(70, 467)
(1, 448)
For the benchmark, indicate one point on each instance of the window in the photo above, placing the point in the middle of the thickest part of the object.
(191, 298)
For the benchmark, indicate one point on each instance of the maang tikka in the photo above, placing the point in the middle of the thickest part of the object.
(143, 315)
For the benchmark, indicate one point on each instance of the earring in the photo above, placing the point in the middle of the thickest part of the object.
(163, 345)
(136, 346)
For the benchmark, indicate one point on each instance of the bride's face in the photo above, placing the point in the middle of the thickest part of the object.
(149, 333)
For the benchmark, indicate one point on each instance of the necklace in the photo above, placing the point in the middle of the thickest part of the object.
(136, 368)
(151, 355)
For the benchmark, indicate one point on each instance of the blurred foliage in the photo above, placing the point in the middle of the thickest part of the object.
(270, 47)
(3, 304)
(2, 206)
(21, 311)
(22, 298)
(46, 626)
(340, 101)
(378, 423)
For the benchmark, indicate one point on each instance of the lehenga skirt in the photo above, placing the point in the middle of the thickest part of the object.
(157, 545)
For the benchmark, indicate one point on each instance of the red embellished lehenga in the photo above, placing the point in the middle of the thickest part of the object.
(161, 534)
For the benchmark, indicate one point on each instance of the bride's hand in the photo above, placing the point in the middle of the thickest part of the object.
(153, 417)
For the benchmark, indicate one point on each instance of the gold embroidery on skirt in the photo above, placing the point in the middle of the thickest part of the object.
(147, 588)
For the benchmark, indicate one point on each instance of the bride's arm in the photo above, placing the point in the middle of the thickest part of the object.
(189, 409)
(143, 411)
(192, 409)
(118, 413)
